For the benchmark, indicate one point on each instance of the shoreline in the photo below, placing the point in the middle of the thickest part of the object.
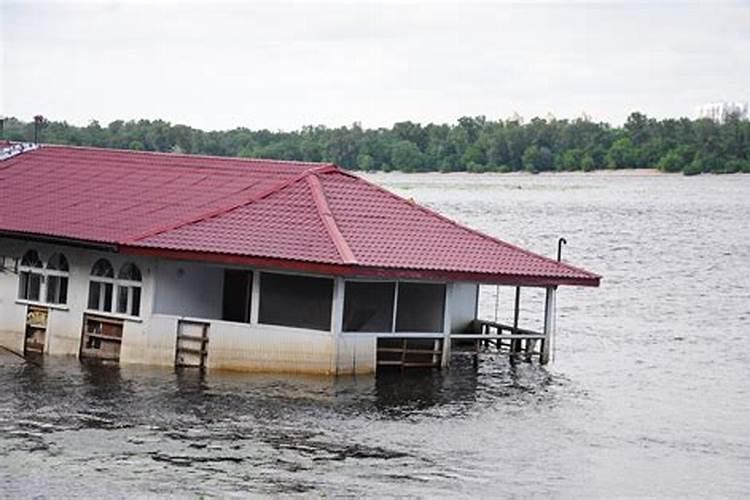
(631, 172)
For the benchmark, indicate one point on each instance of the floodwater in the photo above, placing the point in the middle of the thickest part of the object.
(649, 393)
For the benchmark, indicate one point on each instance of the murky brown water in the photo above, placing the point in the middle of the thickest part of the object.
(649, 393)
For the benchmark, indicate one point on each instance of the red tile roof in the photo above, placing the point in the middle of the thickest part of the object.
(295, 215)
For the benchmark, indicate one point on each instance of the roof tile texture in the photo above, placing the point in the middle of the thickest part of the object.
(256, 208)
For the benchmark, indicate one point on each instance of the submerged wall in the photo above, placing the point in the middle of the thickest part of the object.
(65, 321)
(175, 291)
(171, 291)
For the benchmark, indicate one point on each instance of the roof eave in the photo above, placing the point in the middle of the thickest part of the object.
(354, 271)
(59, 240)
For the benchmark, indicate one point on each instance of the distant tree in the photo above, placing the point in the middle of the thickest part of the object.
(622, 154)
(472, 143)
(365, 162)
(405, 156)
(671, 162)
(537, 159)
(572, 159)
(587, 163)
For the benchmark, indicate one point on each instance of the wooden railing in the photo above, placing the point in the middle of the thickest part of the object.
(509, 339)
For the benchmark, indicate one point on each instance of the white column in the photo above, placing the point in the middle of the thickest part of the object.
(255, 298)
(337, 320)
(446, 357)
(550, 313)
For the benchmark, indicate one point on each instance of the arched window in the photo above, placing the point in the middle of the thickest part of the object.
(30, 276)
(101, 286)
(57, 279)
(129, 290)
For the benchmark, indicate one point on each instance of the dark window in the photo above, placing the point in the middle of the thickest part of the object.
(58, 262)
(94, 291)
(30, 285)
(297, 301)
(129, 272)
(57, 289)
(420, 307)
(103, 268)
(31, 259)
(368, 306)
(30, 276)
(236, 298)
(101, 290)
(57, 279)
(107, 297)
(135, 305)
(122, 299)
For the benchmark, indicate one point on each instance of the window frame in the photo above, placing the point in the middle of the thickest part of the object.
(258, 278)
(62, 274)
(398, 283)
(42, 272)
(114, 285)
(129, 285)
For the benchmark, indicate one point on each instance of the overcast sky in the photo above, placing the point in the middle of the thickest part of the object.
(281, 66)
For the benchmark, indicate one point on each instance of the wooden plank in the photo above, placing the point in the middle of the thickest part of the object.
(109, 338)
(409, 351)
(188, 350)
(476, 336)
(192, 338)
(101, 319)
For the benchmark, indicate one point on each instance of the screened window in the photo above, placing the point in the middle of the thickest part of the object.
(101, 286)
(420, 307)
(129, 290)
(368, 306)
(30, 276)
(57, 279)
(297, 301)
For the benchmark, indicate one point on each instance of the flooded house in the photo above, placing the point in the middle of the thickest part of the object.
(243, 264)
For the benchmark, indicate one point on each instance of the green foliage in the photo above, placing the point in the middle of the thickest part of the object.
(622, 154)
(538, 159)
(406, 156)
(694, 168)
(671, 162)
(572, 159)
(472, 144)
(587, 163)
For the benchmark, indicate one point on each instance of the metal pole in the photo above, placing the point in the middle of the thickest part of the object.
(560, 243)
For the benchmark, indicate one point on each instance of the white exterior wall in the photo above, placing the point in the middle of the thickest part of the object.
(462, 306)
(175, 290)
(357, 354)
(171, 290)
(65, 322)
(189, 289)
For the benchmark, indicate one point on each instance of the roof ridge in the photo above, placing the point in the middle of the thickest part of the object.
(312, 164)
(228, 208)
(466, 228)
(324, 210)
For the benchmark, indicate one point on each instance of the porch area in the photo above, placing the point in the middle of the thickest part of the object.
(220, 317)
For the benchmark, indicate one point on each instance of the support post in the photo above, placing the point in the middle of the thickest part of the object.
(446, 354)
(515, 345)
(337, 321)
(550, 304)
(255, 298)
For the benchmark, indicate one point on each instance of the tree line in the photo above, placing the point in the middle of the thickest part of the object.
(473, 144)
